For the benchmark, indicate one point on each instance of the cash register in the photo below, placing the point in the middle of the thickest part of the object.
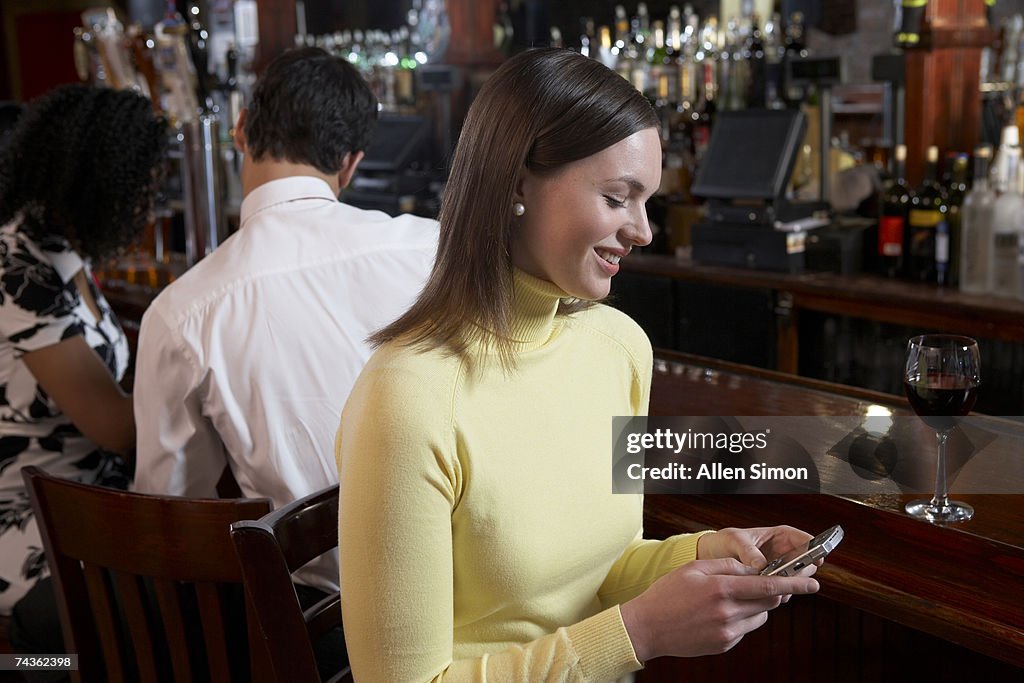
(750, 222)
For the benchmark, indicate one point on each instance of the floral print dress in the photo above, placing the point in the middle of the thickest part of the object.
(41, 306)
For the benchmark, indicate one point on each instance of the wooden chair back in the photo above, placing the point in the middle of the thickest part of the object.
(270, 550)
(144, 582)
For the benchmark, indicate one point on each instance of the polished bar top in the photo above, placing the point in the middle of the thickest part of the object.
(963, 583)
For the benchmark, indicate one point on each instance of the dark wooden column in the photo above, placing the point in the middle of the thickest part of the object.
(943, 102)
(278, 26)
(472, 39)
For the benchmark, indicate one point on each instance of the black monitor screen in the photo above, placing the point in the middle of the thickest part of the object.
(395, 142)
(750, 155)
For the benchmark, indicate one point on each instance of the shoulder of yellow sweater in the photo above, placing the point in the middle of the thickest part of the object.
(399, 375)
(619, 329)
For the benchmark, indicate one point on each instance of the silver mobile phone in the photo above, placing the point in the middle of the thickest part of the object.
(818, 547)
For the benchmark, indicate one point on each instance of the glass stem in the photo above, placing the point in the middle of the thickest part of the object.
(940, 500)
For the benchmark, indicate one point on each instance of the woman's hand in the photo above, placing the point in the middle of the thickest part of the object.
(753, 547)
(707, 606)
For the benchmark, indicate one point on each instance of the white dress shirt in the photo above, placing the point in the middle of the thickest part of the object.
(248, 358)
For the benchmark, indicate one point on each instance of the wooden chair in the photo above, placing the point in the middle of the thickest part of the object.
(270, 549)
(144, 583)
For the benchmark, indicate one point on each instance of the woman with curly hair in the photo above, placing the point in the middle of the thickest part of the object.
(77, 180)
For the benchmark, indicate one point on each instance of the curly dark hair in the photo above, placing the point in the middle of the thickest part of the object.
(310, 107)
(84, 163)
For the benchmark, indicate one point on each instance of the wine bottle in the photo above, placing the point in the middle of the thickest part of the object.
(757, 84)
(1006, 225)
(928, 209)
(947, 244)
(976, 227)
(659, 70)
(893, 217)
(704, 112)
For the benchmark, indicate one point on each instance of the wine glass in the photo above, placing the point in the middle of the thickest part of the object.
(941, 378)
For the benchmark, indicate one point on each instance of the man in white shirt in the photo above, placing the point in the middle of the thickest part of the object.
(247, 359)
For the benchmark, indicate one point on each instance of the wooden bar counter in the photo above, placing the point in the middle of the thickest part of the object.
(900, 599)
(859, 296)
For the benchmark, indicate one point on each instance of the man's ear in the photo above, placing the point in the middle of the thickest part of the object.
(348, 168)
(238, 132)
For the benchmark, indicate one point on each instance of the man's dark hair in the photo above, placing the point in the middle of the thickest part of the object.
(310, 108)
(84, 163)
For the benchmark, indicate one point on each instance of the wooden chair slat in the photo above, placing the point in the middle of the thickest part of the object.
(101, 601)
(131, 591)
(212, 616)
(170, 601)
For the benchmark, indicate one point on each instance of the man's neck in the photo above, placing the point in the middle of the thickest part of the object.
(256, 173)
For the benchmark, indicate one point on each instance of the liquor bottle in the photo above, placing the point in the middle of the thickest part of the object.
(795, 48)
(927, 210)
(1009, 137)
(687, 66)
(773, 54)
(757, 85)
(740, 84)
(624, 49)
(659, 70)
(976, 227)
(605, 48)
(588, 38)
(704, 111)
(893, 219)
(504, 29)
(1006, 226)
(641, 27)
(673, 54)
(947, 245)
(726, 47)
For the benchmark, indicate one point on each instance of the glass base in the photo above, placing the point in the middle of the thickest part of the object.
(940, 514)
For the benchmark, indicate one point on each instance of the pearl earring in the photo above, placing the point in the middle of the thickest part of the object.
(518, 209)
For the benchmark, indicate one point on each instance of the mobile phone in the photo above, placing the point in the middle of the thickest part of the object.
(790, 564)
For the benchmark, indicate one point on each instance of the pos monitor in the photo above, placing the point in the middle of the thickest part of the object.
(750, 155)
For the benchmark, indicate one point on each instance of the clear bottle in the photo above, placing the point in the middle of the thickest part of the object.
(1009, 137)
(928, 209)
(623, 48)
(893, 217)
(976, 227)
(1006, 226)
(605, 48)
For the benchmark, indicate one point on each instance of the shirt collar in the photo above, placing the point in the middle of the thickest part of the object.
(282, 191)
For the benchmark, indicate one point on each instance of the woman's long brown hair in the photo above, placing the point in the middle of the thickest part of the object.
(541, 110)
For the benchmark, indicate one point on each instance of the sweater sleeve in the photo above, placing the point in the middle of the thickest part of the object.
(401, 479)
(644, 562)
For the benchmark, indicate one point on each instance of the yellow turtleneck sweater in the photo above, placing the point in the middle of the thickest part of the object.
(480, 539)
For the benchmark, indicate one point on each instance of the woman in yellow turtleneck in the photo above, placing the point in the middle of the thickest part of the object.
(480, 539)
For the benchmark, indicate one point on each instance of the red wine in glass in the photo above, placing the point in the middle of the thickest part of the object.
(941, 378)
(938, 398)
